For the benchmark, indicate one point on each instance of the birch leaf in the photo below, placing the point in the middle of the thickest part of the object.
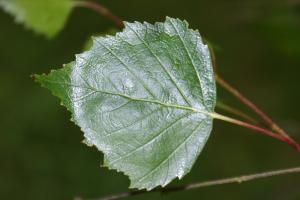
(144, 98)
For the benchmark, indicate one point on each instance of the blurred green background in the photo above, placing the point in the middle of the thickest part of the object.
(258, 51)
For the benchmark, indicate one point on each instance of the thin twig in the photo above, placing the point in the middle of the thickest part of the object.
(101, 10)
(273, 126)
(239, 179)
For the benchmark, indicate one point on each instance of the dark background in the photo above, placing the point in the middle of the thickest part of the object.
(258, 51)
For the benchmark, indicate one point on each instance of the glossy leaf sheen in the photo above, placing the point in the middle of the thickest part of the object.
(44, 16)
(143, 98)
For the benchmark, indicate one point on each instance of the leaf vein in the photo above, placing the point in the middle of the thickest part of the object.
(156, 135)
(170, 155)
(162, 66)
(190, 58)
(125, 65)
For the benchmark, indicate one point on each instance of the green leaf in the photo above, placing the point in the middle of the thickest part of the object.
(144, 98)
(44, 16)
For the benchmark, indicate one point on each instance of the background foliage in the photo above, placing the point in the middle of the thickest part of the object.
(258, 51)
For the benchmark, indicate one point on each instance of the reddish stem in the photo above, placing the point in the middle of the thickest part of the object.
(102, 11)
(273, 126)
(263, 131)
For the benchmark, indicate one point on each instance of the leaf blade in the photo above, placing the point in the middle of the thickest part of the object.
(143, 98)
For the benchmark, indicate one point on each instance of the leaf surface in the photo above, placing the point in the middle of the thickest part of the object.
(143, 98)
(44, 16)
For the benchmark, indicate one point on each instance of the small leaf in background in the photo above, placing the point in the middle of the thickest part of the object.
(143, 98)
(43, 16)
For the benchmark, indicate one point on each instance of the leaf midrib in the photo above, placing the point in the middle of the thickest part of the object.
(137, 99)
